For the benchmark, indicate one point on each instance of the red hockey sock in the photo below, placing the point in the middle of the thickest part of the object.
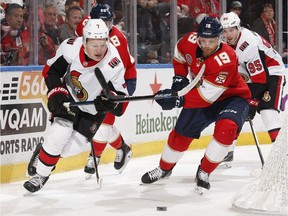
(166, 166)
(117, 143)
(98, 148)
(208, 166)
(273, 134)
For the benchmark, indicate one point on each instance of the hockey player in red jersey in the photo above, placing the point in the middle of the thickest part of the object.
(108, 132)
(70, 76)
(220, 97)
(263, 70)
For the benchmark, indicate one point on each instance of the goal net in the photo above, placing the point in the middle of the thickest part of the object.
(268, 193)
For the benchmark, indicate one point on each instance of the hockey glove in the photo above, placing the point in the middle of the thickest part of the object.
(56, 98)
(179, 82)
(103, 104)
(168, 100)
(253, 106)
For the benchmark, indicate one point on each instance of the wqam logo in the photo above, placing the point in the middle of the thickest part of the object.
(28, 117)
(22, 118)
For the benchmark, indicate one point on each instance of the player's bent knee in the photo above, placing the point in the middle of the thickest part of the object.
(178, 142)
(226, 131)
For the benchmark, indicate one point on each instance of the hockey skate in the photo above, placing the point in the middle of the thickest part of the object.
(227, 161)
(155, 175)
(31, 169)
(90, 168)
(123, 155)
(35, 183)
(202, 181)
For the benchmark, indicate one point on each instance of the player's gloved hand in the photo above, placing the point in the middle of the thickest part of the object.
(56, 98)
(179, 82)
(253, 106)
(168, 99)
(103, 104)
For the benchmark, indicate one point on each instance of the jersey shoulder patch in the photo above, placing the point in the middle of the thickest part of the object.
(71, 41)
(243, 46)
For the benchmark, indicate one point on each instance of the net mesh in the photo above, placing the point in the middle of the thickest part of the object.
(268, 193)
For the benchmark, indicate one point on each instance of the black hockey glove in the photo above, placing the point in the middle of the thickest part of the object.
(179, 82)
(168, 99)
(103, 104)
(253, 106)
(56, 98)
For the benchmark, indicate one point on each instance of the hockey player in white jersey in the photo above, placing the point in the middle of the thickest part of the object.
(263, 70)
(70, 76)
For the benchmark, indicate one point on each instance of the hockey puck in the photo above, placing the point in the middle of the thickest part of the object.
(161, 208)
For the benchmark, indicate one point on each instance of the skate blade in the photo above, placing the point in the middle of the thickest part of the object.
(88, 176)
(199, 190)
(225, 165)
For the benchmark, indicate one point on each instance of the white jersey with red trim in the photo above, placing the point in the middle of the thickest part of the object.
(80, 78)
(257, 58)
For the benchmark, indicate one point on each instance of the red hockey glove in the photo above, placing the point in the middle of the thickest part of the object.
(253, 106)
(56, 98)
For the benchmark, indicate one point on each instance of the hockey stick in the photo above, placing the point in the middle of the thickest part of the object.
(256, 142)
(99, 180)
(126, 98)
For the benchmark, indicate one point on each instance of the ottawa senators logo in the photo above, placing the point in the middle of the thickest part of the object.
(266, 97)
(81, 93)
(94, 127)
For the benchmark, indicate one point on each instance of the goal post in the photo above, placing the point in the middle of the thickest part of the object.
(268, 193)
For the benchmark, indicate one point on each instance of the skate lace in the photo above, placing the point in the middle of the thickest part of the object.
(90, 162)
(37, 180)
(203, 176)
(35, 161)
(156, 173)
(119, 155)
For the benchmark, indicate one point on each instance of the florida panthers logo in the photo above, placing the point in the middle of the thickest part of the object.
(81, 93)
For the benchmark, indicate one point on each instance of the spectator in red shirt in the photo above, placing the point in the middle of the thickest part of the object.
(14, 37)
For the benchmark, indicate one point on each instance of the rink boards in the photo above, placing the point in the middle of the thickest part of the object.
(24, 118)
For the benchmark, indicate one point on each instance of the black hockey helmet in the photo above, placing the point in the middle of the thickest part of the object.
(210, 27)
(102, 11)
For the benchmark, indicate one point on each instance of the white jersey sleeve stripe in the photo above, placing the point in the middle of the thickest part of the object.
(210, 92)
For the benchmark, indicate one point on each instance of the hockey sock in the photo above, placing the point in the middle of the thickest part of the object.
(117, 143)
(273, 134)
(98, 148)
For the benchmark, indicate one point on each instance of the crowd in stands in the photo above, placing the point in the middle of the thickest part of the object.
(57, 20)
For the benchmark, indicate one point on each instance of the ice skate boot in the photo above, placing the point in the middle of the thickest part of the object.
(123, 155)
(35, 183)
(227, 161)
(202, 181)
(155, 175)
(31, 169)
(90, 168)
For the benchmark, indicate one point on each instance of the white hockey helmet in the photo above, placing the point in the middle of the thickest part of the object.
(229, 20)
(95, 29)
